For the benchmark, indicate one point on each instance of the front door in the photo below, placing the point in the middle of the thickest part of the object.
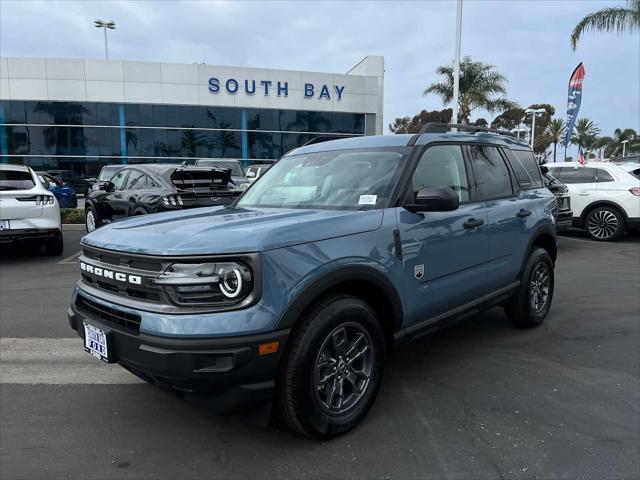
(115, 202)
(444, 253)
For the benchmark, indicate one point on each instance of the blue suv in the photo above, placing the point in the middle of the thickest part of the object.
(342, 251)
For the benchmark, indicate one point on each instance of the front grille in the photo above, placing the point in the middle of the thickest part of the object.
(96, 310)
(123, 260)
(142, 293)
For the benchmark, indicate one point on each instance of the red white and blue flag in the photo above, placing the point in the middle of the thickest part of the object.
(581, 159)
(574, 100)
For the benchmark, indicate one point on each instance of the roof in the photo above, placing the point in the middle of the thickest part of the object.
(402, 140)
(13, 168)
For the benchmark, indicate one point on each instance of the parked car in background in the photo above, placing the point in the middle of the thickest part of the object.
(65, 194)
(605, 197)
(257, 170)
(150, 188)
(71, 178)
(28, 211)
(238, 175)
(564, 217)
(341, 252)
(106, 173)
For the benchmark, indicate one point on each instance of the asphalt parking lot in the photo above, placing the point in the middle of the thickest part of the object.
(480, 400)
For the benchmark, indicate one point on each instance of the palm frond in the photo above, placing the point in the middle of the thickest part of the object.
(608, 20)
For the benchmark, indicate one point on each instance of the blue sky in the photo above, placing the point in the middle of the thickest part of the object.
(528, 41)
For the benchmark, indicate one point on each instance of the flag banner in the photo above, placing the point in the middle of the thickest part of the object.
(574, 99)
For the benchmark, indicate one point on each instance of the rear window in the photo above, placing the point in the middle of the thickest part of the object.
(526, 169)
(16, 180)
(635, 173)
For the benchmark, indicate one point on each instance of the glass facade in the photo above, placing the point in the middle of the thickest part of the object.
(84, 136)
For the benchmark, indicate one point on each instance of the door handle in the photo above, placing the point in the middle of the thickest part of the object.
(584, 194)
(473, 223)
(523, 213)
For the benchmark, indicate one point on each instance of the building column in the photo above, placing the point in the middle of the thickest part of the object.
(245, 138)
(123, 134)
(4, 146)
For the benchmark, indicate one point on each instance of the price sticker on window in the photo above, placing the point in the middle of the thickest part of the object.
(368, 200)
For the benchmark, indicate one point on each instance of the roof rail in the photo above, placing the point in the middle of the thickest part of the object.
(434, 127)
(326, 138)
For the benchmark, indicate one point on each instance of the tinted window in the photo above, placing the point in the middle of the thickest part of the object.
(15, 180)
(604, 176)
(136, 180)
(119, 178)
(576, 174)
(492, 175)
(442, 165)
(526, 169)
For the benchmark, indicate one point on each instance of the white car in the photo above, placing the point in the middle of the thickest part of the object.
(605, 197)
(28, 211)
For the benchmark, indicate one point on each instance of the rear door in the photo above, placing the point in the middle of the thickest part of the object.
(18, 196)
(581, 182)
(444, 254)
(509, 210)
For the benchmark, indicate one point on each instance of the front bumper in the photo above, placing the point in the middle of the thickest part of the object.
(229, 372)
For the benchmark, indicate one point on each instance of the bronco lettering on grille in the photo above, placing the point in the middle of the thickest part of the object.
(103, 272)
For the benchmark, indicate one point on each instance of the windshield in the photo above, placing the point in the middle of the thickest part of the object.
(235, 167)
(16, 180)
(344, 179)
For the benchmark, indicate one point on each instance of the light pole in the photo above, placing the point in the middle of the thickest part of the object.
(456, 64)
(534, 112)
(111, 25)
(624, 147)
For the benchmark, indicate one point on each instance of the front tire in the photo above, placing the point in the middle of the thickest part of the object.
(332, 368)
(530, 306)
(604, 224)
(92, 221)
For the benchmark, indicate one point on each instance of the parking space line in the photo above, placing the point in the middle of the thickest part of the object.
(71, 259)
(55, 361)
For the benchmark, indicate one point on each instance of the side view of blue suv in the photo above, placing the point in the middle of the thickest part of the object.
(340, 252)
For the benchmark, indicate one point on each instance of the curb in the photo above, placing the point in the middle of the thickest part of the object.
(72, 227)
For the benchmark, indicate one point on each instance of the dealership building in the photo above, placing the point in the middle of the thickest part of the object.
(83, 114)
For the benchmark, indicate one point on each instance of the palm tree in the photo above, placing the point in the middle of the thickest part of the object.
(555, 132)
(480, 87)
(618, 19)
(585, 133)
(619, 135)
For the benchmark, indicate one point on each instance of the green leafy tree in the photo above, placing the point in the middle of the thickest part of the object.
(509, 119)
(555, 132)
(613, 19)
(481, 122)
(415, 123)
(585, 134)
(481, 86)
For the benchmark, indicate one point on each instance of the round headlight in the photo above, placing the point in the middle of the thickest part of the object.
(231, 284)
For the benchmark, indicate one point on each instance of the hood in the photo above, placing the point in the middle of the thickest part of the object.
(219, 230)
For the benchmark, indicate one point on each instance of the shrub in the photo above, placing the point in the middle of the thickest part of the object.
(72, 215)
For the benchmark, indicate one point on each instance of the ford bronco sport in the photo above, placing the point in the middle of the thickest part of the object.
(340, 252)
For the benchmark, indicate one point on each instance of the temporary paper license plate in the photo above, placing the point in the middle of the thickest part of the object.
(4, 225)
(95, 342)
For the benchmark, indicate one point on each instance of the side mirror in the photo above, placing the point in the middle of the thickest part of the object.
(107, 187)
(435, 199)
(544, 169)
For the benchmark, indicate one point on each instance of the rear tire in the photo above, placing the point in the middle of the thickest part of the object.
(332, 368)
(530, 306)
(604, 224)
(55, 246)
(139, 211)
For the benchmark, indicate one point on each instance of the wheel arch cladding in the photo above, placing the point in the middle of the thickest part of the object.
(548, 242)
(363, 282)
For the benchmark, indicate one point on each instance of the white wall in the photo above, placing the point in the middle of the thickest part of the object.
(188, 84)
